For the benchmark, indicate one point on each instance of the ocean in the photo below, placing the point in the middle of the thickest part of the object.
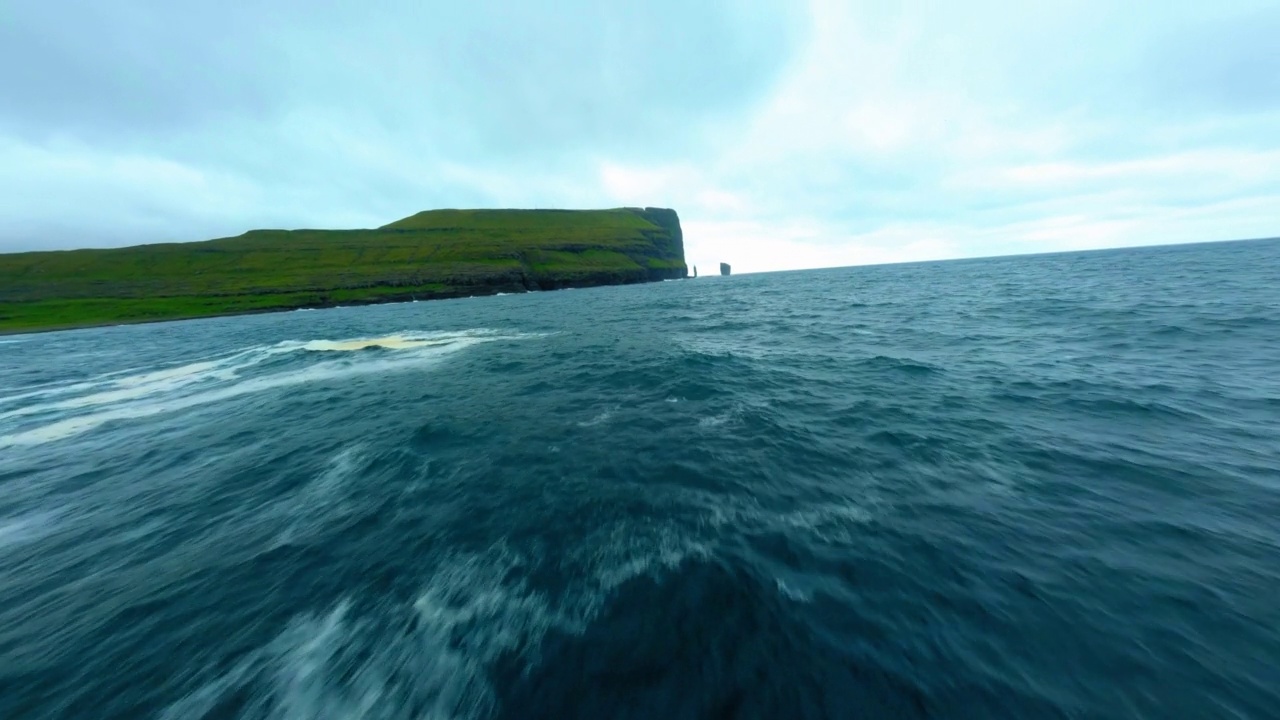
(1027, 487)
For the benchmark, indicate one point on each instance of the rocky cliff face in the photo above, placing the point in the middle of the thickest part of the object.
(658, 254)
(671, 242)
(724, 268)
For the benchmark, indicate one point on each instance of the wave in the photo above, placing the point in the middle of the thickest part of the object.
(833, 521)
(115, 397)
(326, 499)
(388, 342)
(907, 366)
(433, 654)
(599, 418)
(26, 528)
(717, 420)
(424, 658)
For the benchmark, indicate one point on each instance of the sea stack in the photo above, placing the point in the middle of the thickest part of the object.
(724, 268)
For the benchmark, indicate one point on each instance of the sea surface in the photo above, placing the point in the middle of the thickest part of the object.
(1033, 487)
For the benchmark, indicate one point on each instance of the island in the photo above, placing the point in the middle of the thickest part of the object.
(431, 255)
(724, 268)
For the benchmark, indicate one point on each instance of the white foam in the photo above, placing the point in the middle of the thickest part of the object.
(715, 420)
(793, 593)
(389, 342)
(429, 658)
(629, 551)
(121, 385)
(599, 418)
(835, 521)
(116, 397)
(132, 388)
(324, 500)
(46, 391)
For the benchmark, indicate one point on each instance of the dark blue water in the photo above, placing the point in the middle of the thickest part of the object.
(1033, 487)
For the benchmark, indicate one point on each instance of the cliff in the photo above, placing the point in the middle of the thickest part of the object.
(433, 254)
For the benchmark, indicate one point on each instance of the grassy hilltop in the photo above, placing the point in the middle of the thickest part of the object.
(434, 254)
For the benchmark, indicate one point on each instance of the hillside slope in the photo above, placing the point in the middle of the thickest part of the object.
(433, 254)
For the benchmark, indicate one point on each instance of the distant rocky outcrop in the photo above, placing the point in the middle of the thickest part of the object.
(724, 268)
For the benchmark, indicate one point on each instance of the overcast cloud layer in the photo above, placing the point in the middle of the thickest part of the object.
(787, 135)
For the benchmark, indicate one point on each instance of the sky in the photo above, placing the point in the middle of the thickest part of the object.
(786, 134)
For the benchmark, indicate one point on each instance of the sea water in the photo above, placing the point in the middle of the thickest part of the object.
(1032, 487)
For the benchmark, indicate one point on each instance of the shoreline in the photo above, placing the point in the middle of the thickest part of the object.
(451, 294)
(430, 255)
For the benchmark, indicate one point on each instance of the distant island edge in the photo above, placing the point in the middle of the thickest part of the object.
(432, 255)
(459, 294)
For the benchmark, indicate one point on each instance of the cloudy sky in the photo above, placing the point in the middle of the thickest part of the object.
(787, 134)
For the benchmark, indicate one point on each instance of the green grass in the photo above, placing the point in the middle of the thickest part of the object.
(439, 253)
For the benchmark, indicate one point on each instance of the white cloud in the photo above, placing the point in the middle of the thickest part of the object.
(886, 141)
(1239, 167)
(762, 246)
(892, 131)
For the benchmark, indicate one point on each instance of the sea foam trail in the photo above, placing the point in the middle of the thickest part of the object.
(58, 412)
(349, 661)
(390, 342)
(352, 659)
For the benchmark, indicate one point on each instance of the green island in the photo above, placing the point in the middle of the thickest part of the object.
(430, 255)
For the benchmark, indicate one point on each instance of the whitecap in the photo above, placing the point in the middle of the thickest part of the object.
(793, 593)
(431, 656)
(428, 658)
(599, 418)
(323, 500)
(835, 521)
(131, 384)
(715, 420)
(116, 397)
(388, 342)
(628, 551)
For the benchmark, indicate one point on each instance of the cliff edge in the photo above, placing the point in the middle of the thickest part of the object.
(433, 254)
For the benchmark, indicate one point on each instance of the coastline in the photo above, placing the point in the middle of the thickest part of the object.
(453, 293)
(431, 255)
